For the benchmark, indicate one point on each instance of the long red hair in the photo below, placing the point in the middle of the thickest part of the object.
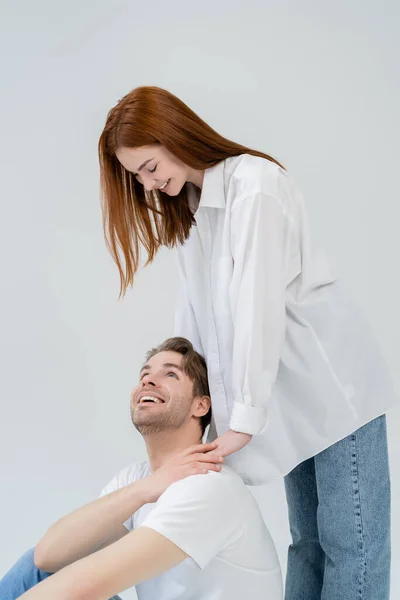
(133, 217)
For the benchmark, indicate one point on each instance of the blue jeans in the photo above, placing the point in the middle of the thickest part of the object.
(22, 577)
(339, 514)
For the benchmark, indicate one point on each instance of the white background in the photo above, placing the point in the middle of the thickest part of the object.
(315, 84)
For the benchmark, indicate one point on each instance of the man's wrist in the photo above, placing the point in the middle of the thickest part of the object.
(140, 491)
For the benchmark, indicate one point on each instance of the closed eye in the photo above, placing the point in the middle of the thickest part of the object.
(153, 170)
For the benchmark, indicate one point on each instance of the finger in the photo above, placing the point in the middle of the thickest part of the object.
(200, 448)
(208, 457)
(213, 467)
(217, 452)
(204, 467)
(202, 458)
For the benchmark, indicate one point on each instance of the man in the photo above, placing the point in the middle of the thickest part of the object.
(179, 526)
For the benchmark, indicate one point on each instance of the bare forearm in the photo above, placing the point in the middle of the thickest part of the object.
(88, 528)
(231, 441)
(139, 556)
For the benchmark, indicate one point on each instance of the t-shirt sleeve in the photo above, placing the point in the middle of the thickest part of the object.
(199, 515)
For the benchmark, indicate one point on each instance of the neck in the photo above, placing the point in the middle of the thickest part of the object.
(196, 177)
(164, 445)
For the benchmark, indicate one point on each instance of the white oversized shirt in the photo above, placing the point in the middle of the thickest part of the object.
(216, 521)
(290, 359)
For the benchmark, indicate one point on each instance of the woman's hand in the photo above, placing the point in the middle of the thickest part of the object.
(231, 441)
(192, 461)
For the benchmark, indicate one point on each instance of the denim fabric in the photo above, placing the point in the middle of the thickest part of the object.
(339, 514)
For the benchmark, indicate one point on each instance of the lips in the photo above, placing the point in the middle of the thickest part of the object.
(147, 398)
(163, 187)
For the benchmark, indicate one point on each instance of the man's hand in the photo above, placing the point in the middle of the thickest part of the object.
(192, 461)
(231, 441)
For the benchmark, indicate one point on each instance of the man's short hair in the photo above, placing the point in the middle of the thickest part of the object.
(193, 365)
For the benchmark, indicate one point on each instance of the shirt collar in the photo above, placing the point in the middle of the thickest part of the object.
(213, 189)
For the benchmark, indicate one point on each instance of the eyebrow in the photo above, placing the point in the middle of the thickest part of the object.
(165, 365)
(143, 165)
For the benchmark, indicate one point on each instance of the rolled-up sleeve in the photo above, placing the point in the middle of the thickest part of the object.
(260, 231)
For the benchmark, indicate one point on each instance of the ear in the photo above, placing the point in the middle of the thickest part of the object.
(201, 406)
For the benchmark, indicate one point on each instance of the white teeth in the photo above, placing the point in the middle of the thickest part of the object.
(164, 185)
(150, 399)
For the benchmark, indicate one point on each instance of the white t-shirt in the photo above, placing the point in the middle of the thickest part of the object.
(216, 521)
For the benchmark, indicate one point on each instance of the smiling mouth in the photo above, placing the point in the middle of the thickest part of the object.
(150, 400)
(164, 186)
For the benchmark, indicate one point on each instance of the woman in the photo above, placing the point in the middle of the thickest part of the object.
(290, 359)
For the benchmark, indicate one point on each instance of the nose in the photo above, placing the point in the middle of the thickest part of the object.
(148, 183)
(148, 380)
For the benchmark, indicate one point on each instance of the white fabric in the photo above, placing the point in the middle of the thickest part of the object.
(216, 521)
(290, 358)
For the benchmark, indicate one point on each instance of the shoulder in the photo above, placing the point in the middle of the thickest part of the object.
(126, 476)
(257, 184)
(248, 176)
(213, 488)
(202, 515)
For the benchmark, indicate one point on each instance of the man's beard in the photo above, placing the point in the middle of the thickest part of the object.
(171, 420)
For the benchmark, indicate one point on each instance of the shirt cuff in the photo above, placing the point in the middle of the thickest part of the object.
(248, 419)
